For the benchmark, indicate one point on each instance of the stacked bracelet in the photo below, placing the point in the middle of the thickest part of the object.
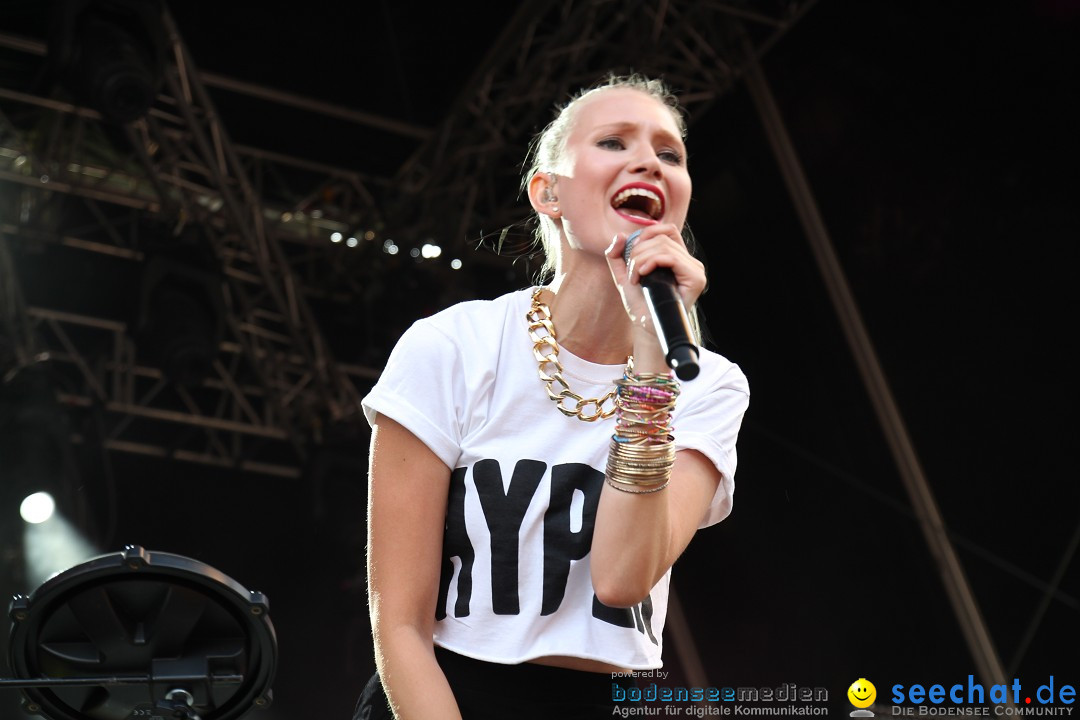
(642, 450)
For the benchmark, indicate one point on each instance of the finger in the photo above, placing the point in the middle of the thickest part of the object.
(640, 244)
(689, 272)
(660, 251)
(614, 256)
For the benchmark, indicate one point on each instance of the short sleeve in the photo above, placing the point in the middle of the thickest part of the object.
(422, 388)
(709, 422)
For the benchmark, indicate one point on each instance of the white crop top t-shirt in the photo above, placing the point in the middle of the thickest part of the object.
(526, 482)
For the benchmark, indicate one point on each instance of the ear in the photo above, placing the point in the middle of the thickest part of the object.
(542, 194)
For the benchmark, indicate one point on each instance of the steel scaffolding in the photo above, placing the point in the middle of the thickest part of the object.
(275, 384)
(269, 216)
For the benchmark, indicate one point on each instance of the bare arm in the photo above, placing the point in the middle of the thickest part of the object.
(407, 495)
(638, 537)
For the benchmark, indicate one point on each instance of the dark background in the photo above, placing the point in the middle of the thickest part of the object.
(940, 142)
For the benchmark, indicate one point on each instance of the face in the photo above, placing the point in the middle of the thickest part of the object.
(623, 167)
(862, 693)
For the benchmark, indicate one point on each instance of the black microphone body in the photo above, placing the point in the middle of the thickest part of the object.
(669, 318)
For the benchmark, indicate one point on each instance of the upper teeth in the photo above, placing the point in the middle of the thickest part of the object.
(625, 195)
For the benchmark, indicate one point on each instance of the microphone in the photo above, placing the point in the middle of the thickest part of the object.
(669, 317)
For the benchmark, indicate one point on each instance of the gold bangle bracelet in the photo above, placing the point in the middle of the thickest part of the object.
(637, 492)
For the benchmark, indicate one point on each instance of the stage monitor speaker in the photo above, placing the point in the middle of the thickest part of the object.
(139, 634)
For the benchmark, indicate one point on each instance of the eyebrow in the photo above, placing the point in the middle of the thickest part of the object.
(627, 125)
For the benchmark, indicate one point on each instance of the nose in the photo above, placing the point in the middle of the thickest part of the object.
(646, 162)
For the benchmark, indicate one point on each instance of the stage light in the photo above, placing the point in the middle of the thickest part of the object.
(37, 507)
(142, 634)
(110, 54)
(430, 250)
(181, 320)
(35, 450)
(39, 475)
(335, 237)
(352, 242)
(455, 264)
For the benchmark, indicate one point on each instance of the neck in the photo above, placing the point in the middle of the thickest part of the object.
(588, 315)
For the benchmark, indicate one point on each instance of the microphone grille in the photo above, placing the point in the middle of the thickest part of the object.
(629, 246)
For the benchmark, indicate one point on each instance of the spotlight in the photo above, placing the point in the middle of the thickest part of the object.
(110, 54)
(181, 320)
(141, 634)
(37, 507)
(35, 450)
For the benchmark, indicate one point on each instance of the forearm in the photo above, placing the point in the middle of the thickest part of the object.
(652, 498)
(631, 546)
(412, 678)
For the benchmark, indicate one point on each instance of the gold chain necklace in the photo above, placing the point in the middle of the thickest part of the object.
(546, 352)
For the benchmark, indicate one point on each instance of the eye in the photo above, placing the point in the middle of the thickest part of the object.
(673, 157)
(612, 143)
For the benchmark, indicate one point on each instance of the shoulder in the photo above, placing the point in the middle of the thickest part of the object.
(460, 333)
(472, 320)
(718, 373)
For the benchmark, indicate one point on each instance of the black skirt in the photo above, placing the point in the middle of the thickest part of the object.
(493, 691)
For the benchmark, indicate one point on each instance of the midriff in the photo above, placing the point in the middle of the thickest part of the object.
(576, 663)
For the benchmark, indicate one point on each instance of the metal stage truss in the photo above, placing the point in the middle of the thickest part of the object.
(72, 180)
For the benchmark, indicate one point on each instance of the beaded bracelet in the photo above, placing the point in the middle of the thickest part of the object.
(642, 450)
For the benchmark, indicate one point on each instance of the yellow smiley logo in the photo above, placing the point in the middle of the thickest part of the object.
(862, 693)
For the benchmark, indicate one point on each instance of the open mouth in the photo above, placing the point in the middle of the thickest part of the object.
(639, 203)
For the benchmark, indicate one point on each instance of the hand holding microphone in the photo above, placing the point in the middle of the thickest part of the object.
(669, 317)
